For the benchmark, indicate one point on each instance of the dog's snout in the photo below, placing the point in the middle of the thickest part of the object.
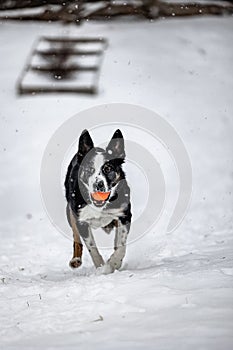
(99, 186)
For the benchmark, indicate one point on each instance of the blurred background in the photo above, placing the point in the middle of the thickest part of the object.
(58, 58)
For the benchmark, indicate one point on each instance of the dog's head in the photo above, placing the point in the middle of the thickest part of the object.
(100, 169)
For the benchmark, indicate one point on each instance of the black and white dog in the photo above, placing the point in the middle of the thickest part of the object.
(98, 196)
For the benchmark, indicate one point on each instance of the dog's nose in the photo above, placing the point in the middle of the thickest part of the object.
(100, 186)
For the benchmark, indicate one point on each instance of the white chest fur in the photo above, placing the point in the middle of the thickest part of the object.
(97, 217)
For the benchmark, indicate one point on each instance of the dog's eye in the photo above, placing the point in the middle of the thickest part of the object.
(107, 168)
(90, 171)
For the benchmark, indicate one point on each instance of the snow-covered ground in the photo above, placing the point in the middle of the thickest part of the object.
(174, 290)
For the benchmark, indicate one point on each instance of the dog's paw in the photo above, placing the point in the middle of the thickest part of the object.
(75, 263)
(106, 269)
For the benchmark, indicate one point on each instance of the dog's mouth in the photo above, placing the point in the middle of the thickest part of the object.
(100, 198)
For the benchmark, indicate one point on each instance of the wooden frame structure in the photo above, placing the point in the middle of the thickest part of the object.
(63, 64)
(76, 11)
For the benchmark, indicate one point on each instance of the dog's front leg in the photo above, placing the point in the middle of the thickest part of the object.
(115, 260)
(83, 229)
(87, 236)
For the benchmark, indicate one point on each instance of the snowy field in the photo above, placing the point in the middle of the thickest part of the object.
(174, 291)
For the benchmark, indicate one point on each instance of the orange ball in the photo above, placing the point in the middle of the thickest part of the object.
(100, 196)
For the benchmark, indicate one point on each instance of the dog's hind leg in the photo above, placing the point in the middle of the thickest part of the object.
(76, 261)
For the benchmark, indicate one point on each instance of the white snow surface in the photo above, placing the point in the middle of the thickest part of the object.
(174, 291)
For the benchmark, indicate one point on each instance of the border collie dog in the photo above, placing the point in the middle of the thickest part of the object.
(98, 196)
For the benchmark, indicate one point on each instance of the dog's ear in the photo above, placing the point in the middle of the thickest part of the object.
(116, 147)
(85, 144)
